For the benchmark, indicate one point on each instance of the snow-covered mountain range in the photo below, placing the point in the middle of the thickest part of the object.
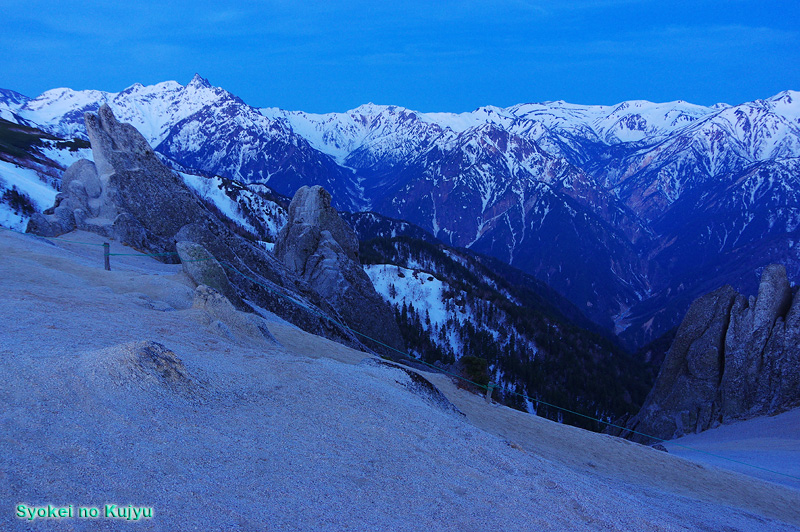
(631, 210)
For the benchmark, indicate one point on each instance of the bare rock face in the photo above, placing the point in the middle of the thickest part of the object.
(127, 194)
(310, 215)
(322, 249)
(746, 354)
(732, 358)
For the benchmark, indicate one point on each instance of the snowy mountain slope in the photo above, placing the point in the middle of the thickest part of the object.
(254, 209)
(12, 99)
(730, 229)
(235, 141)
(455, 193)
(10, 102)
(452, 303)
(21, 194)
(402, 287)
(630, 121)
(373, 127)
(153, 110)
(31, 165)
(730, 140)
(376, 132)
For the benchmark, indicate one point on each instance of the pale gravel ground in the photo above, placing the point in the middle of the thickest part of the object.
(302, 436)
(769, 442)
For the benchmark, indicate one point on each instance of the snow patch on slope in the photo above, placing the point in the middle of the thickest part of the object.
(211, 189)
(27, 182)
(421, 289)
(65, 157)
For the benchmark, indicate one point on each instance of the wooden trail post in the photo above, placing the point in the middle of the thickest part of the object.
(106, 258)
(489, 389)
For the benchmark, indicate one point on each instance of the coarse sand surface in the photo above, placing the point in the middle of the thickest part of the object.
(116, 390)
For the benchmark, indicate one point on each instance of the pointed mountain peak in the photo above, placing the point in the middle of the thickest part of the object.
(370, 109)
(199, 81)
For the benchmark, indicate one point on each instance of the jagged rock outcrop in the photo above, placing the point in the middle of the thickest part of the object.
(127, 194)
(322, 249)
(732, 358)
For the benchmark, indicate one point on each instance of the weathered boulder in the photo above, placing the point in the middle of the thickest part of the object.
(732, 358)
(220, 314)
(322, 249)
(126, 194)
(204, 269)
(310, 215)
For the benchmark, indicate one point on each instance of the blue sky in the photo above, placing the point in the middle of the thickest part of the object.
(428, 56)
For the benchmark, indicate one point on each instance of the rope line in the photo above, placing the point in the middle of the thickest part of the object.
(167, 254)
(408, 355)
(75, 242)
(524, 396)
(342, 325)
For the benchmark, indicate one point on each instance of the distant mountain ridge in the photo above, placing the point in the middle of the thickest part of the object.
(631, 211)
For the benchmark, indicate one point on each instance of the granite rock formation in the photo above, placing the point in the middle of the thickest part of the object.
(317, 245)
(732, 358)
(128, 194)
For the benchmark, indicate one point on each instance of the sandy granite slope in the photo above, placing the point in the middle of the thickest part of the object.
(306, 435)
(768, 442)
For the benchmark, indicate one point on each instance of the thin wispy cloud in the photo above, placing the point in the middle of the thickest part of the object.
(670, 40)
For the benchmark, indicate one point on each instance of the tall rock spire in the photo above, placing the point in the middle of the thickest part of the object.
(732, 358)
(320, 247)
